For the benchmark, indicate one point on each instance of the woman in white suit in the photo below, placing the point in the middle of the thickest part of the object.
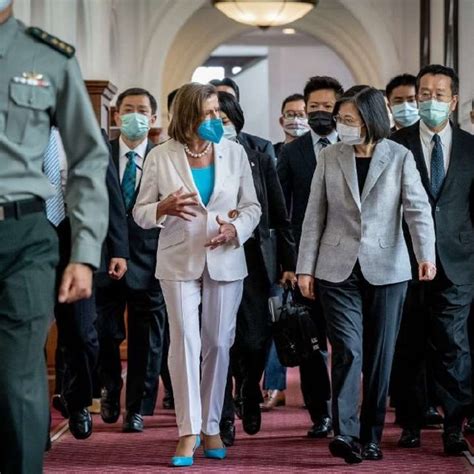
(199, 190)
(353, 244)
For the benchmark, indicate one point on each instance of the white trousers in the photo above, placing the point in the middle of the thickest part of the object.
(199, 400)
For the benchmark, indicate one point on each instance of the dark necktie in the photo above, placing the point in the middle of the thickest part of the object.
(324, 142)
(129, 179)
(55, 209)
(437, 166)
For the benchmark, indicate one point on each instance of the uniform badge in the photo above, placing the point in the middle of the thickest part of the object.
(32, 79)
(233, 214)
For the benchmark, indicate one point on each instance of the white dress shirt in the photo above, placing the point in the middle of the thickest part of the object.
(140, 151)
(332, 137)
(427, 144)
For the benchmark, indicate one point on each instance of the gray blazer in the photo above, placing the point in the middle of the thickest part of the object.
(341, 226)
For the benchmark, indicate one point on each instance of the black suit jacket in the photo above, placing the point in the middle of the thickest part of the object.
(296, 164)
(453, 210)
(274, 230)
(252, 142)
(116, 241)
(142, 243)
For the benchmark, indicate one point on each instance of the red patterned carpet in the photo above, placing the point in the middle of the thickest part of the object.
(281, 447)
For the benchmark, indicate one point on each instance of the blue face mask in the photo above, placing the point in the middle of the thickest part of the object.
(405, 114)
(434, 112)
(211, 129)
(134, 125)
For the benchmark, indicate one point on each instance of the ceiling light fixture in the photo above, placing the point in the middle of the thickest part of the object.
(265, 13)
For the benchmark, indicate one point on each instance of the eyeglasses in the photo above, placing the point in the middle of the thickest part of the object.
(424, 96)
(292, 115)
(351, 122)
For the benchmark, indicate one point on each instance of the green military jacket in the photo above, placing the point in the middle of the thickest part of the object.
(40, 86)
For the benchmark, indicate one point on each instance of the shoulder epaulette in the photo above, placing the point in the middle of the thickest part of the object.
(52, 41)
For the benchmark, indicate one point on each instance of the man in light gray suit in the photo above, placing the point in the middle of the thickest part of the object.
(352, 242)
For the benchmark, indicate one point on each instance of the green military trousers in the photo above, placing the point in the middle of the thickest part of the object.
(28, 257)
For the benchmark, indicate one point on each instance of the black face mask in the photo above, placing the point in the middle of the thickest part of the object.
(321, 122)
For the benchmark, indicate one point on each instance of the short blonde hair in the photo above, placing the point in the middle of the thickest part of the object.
(188, 110)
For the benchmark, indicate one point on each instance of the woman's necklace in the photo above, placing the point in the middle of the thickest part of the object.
(196, 155)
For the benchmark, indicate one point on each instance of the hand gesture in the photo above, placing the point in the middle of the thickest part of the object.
(117, 268)
(177, 204)
(426, 271)
(226, 233)
(76, 283)
(306, 285)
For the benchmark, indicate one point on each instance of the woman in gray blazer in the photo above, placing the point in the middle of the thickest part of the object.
(200, 190)
(353, 245)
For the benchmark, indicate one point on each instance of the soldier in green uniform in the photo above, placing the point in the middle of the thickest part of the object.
(40, 86)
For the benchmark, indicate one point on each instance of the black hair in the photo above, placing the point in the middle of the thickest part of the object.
(370, 103)
(230, 106)
(317, 83)
(170, 98)
(439, 69)
(137, 91)
(400, 80)
(227, 81)
(291, 98)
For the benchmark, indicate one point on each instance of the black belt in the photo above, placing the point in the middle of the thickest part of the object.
(14, 210)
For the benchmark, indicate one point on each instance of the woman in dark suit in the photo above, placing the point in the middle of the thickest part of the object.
(270, 256)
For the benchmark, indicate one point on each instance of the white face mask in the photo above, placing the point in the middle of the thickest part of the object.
(230, 132)
(349, 135)
(4, 4)
(296, 127)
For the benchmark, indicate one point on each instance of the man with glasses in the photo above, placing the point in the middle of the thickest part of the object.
(293, 120)
(444, 158)
(295, 166)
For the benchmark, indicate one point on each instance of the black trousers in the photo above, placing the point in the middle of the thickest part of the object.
(446, 336)
(28, 257)
(253, 333)
(362, 322)
(412, 357)
(146, 308)
(314, 374)
(157, 352)
(78, 344)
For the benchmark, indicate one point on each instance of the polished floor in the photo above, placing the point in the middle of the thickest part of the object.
(280, 447)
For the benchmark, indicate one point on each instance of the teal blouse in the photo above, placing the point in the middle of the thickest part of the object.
(204, 181)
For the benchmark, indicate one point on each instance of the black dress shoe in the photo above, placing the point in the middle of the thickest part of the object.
(410, 438)
(372, 452)
(454, 443)
(227, 428)
(59, 404)
(80, 423)
(321, 429)
(469, 426)
(109, 406)
(346, 448)
(132, 423)
(432, 417)
(251, 417)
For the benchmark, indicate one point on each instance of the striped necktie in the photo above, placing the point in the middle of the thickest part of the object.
(324, 142)
(129, 179)
(437, 166)
(55, 209)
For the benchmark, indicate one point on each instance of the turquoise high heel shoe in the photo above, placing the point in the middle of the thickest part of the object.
(186, 461)
(217, 453)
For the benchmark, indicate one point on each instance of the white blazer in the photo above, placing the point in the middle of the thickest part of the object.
(181, 253)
